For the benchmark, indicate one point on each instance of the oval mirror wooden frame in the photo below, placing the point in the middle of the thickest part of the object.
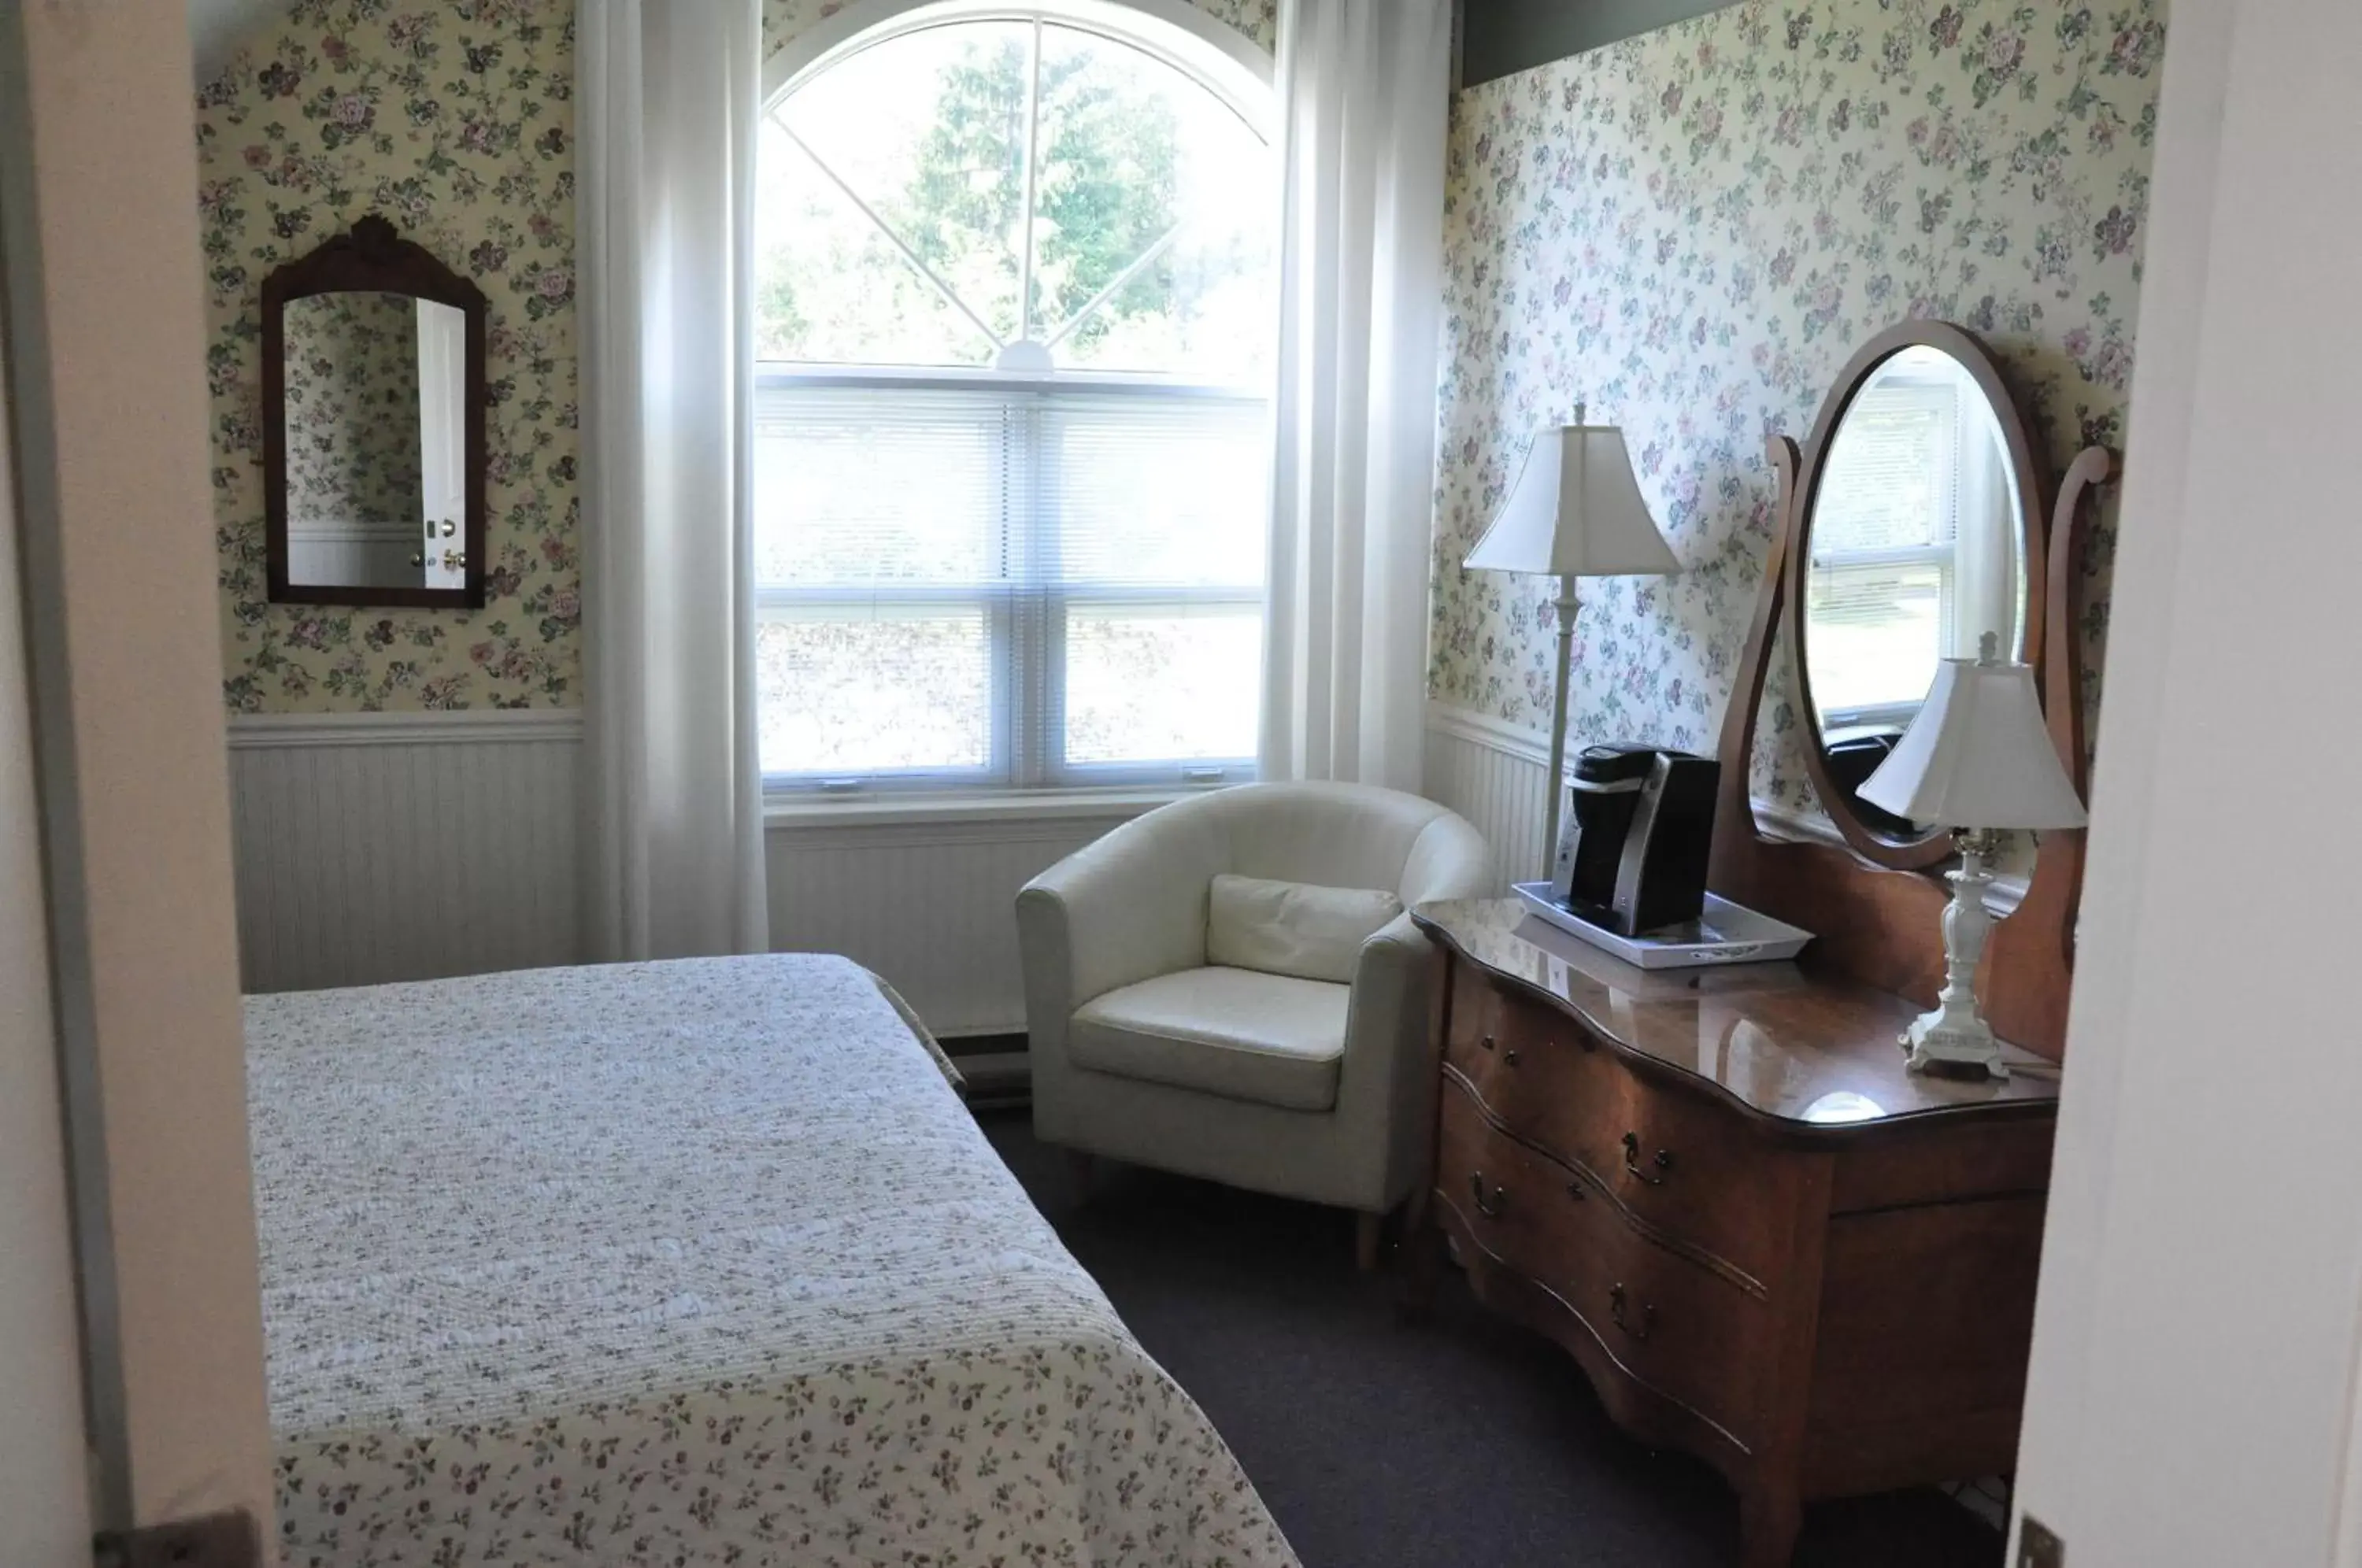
(372, 259)
(1872, 922)
(2033, 482)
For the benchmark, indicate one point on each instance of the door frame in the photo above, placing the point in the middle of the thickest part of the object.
(45, 1472)
(108, 418)
(2192, 1395)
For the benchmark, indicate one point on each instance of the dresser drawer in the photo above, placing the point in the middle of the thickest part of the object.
(1525, 1209)
(1684, 1332)
(1677, 1162)
(1539, 1073)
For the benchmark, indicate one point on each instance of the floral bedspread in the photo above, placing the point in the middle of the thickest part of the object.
(691, 1263)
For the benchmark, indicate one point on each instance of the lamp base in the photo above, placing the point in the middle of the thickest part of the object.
(1954, 1037)
(1944, 1045)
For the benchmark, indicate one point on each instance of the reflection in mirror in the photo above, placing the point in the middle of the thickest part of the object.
(1917, 551)
(376, 400)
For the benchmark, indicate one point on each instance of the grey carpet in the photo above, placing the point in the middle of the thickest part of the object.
(1459, 1443)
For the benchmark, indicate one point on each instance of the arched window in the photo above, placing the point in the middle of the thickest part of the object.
(1013, 286)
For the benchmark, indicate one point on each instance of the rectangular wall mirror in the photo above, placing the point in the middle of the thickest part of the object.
(374, 445)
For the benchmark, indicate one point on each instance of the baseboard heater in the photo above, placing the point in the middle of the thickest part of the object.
(999, 1071)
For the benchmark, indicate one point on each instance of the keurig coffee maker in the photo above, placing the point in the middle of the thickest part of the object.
(1638, 827)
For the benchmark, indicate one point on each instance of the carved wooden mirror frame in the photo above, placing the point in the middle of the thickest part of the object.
(1881, 923)
(372, 259)
(2029, 473)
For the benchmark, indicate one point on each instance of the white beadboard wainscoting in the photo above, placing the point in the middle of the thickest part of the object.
(1491, 773)
(391, 847)
(395, 846)
(403, 846)
(927, 900)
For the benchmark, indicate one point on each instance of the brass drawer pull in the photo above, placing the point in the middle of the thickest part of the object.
(1616, 1311)
(1510, 1055)
(1663, 1162)
(1500, 1195)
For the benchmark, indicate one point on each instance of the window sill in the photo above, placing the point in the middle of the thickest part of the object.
(796, 814)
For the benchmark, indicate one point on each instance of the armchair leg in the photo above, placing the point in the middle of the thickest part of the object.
(1369, 1232)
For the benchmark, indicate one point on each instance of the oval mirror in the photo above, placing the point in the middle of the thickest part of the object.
(1923, 534)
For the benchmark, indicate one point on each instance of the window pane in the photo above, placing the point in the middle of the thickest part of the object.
(829, 285)
(1877, 634)
(1130, 149)
(1150, 235)
(999, 509)
(1161, 683)
(866, 691)
(1165, 490)
(928, 128)
(867, 488)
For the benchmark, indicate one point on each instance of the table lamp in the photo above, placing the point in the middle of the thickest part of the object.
(1977, 759)
(1575, 511)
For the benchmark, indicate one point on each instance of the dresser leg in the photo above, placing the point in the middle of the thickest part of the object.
(1768, 1526)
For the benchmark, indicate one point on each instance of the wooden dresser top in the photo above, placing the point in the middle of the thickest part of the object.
(1779, 1040)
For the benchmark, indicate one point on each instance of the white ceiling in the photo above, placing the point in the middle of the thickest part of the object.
(216, 27)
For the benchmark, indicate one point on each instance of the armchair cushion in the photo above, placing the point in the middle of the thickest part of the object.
(1271, 1039)
(1292, 928)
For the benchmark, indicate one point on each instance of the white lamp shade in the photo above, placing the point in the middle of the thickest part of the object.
(1576, 511)
(1977, 756)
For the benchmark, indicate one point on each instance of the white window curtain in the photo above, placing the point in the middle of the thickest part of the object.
(1364, 86)
(667, 109)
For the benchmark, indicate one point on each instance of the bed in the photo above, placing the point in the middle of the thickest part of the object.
(691, 1263)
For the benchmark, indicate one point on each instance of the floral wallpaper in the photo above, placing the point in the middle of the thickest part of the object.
(1259, 19)
(1693, 230)
(352, 410)
(454, 118)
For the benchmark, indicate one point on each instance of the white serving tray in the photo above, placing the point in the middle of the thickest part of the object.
(1725, 933)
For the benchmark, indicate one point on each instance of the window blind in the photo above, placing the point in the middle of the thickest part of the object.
(1892, 482)
(1023, 584)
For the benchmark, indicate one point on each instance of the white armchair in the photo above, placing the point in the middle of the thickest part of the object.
(1144, 1051)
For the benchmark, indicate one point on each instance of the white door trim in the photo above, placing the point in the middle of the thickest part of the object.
(2191, 1391)
(44, 1463)
(97, 167)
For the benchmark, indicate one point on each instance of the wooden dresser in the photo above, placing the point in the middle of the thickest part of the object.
(1765, 1243)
